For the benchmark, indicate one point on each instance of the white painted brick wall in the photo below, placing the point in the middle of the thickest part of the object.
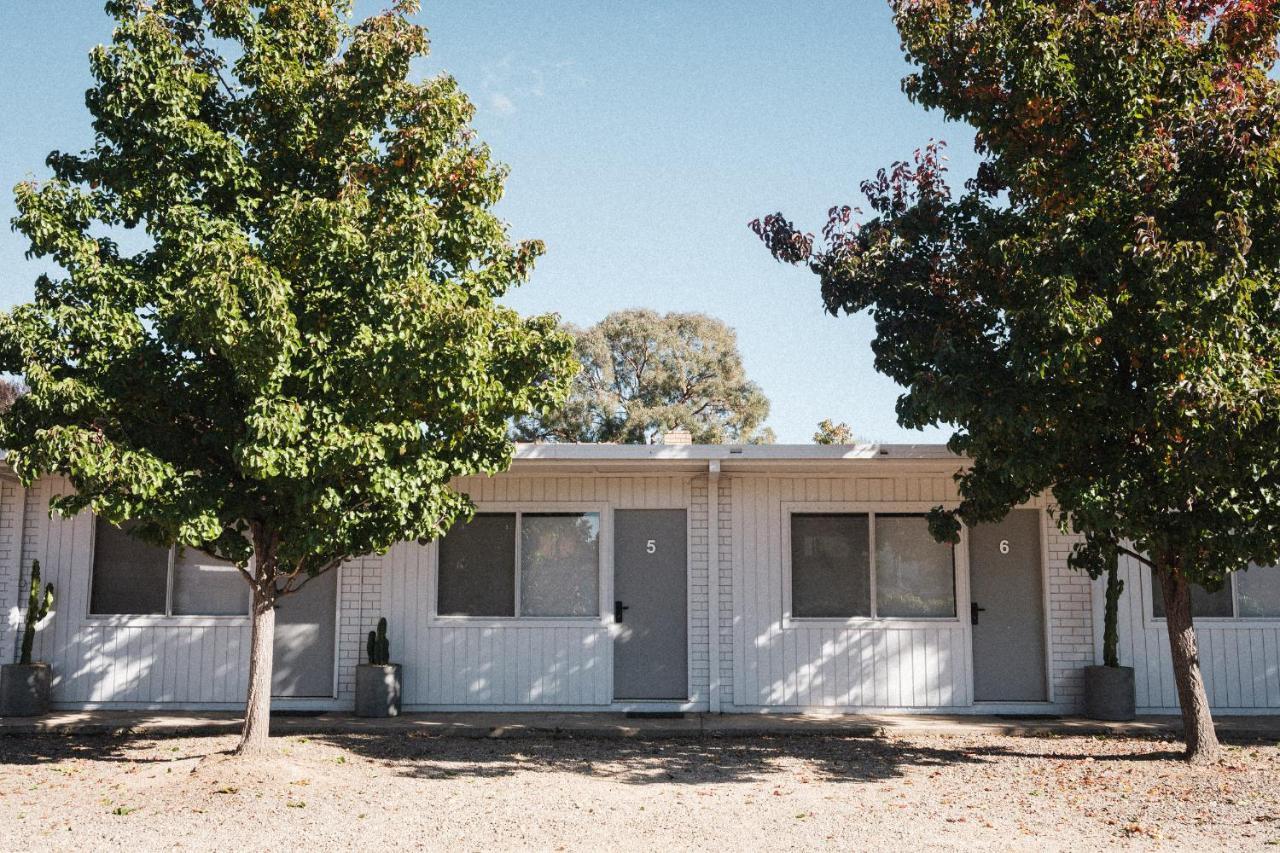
(11, 504)
(35, 514)
(360, 607)
(699, 591)
(1070, 621)
(725, 617)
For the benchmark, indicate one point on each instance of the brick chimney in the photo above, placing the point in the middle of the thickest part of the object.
(678, 436)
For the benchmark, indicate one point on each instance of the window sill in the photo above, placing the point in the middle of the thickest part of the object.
(1222, 621)
(161, 621)
(868, 621)
(518, 622)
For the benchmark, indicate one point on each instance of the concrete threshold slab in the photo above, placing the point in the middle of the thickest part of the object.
(615, 725)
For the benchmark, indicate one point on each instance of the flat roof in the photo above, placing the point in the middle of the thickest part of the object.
(740, 457)
(566, 451)
(632, 458)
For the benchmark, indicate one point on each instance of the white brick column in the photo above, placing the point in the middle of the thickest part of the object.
(1070, 620)
(724, 619)
(12, 504)
(360, 607)
(699, 593)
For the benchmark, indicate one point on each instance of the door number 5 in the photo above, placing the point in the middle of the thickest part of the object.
(651, 547)
(1004, 546)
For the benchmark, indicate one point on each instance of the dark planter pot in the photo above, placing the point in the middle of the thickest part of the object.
(378, 690)
(24, 689)
(1108, 693)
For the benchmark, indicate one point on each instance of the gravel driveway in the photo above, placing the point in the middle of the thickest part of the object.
(357, 791)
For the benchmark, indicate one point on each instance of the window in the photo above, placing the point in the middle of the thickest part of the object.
(830, 565)
(477, 561)
(915, 573)
(532, 564)
(1258, 591)
(205, 586)
(559, 564)
(129, 575)
(132, 577)
(837, 572)
(1250, 593)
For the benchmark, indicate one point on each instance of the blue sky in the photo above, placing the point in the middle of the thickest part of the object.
(642, 138)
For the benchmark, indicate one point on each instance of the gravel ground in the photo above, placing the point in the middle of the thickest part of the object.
(349, 791)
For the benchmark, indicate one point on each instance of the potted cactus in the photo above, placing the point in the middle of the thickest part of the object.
(1108, 689)
(378, 681)
(24, 686)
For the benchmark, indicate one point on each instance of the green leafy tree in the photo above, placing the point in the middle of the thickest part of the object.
(308, 347)
(644, 373)
(830, 432)
(1098, 310)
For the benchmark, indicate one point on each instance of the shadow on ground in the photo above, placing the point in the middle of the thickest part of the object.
(692, 761)
(631, 761)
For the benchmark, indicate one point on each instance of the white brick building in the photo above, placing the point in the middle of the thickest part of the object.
(639, 577)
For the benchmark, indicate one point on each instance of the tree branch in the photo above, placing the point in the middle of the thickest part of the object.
(289, 589)
(1146, 561)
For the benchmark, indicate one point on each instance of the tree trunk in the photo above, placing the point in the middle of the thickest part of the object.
(1197, 722)
(257, 706)
(1111, 616)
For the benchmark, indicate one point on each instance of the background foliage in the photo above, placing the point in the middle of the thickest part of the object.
(644, 373)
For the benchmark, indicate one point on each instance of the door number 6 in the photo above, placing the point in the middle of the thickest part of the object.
(651, 547)
(1004, 546)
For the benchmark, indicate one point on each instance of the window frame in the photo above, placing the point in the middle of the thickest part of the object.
(604, 574)
(959, 569)
(1234, 620)
(168, 618)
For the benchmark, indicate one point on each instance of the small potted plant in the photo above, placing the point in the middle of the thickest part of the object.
(1108, 689)
(378, 681)
(24, 686)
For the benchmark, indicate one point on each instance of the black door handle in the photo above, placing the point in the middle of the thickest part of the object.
(618, 607)
(974, 610)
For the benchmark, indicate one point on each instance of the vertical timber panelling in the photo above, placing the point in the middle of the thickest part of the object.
(524, 663)
(802, 665)
(1240, 658)
(520, 664)
(119, 661)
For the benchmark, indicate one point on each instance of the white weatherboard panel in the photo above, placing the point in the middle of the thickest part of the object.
(519, 662)
(823, 663)
(1240, 658)
(115, 660)
(766, 661)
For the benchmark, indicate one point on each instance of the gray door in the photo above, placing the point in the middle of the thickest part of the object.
(306, 622)
(650, 652)
(1006, 592)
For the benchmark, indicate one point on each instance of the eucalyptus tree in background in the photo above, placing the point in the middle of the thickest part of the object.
(10, 391)
(830, 432)
(644, 373)
(308, 348)
(1099, 309)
